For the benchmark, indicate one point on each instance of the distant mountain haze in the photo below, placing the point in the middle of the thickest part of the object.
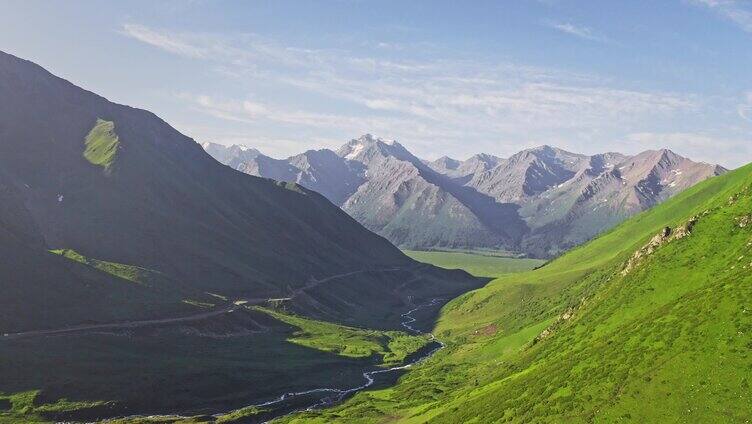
(540, 201)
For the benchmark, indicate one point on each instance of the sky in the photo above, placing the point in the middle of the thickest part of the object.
(442, 77)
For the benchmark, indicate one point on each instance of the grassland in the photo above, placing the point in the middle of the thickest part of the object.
(23, 407)
(477, 263)
(391, 346)
(580, 341)
(130, 273)
(101, 144)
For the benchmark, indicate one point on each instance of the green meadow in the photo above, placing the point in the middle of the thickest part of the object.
(477, 263)
(579, 340)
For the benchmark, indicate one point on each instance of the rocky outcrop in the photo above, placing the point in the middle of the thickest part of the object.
(666, 235)
(565, 316)
(743, 221)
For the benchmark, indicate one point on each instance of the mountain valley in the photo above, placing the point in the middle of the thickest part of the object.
(148, 278)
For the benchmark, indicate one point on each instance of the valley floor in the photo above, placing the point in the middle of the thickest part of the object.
(480, 263)
(222, 359)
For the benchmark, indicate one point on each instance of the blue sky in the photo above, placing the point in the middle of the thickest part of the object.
(441, 77)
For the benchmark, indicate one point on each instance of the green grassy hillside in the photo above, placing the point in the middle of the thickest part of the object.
(580, 340)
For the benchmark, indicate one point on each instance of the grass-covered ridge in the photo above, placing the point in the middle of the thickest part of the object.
(127, 272)
(102, 144)
(579, 341)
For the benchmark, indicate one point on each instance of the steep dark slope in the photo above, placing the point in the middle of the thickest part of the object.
(43, 289)
(118, 184)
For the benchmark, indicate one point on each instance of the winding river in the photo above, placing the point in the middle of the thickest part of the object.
(340, 394)
(336, 395)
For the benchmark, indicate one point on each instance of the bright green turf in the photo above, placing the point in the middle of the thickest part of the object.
(21, 407)
(669, 342)
(102, 144)
(479, 264)
(391, 346)
(131, 273)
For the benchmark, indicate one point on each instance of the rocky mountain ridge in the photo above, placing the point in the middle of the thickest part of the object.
(540, 201)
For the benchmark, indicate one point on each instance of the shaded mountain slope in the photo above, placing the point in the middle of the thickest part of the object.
(118, 184)
(647, 323)
(43, 289)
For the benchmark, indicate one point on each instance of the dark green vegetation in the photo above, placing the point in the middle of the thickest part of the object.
(117, 226)
(477, 263)
(588, 338)
(202, 368)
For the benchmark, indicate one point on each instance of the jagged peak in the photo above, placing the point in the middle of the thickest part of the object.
(238, 147)
(717, 169)
(367, 142)
(446, 159)
(540, 151)
(543, 148)
(665, 154)
(319, 152)
(371, 139)
(484, 157)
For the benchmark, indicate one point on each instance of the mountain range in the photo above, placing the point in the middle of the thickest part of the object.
(539, 202)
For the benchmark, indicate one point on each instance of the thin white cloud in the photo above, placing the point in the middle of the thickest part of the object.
(439, 105)
(745, 108)
(577, 31)
(164, 40)
(740, 13)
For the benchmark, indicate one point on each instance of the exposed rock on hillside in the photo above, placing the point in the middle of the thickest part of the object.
(666, 235)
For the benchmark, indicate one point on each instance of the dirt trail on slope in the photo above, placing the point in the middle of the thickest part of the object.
(232, 307)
